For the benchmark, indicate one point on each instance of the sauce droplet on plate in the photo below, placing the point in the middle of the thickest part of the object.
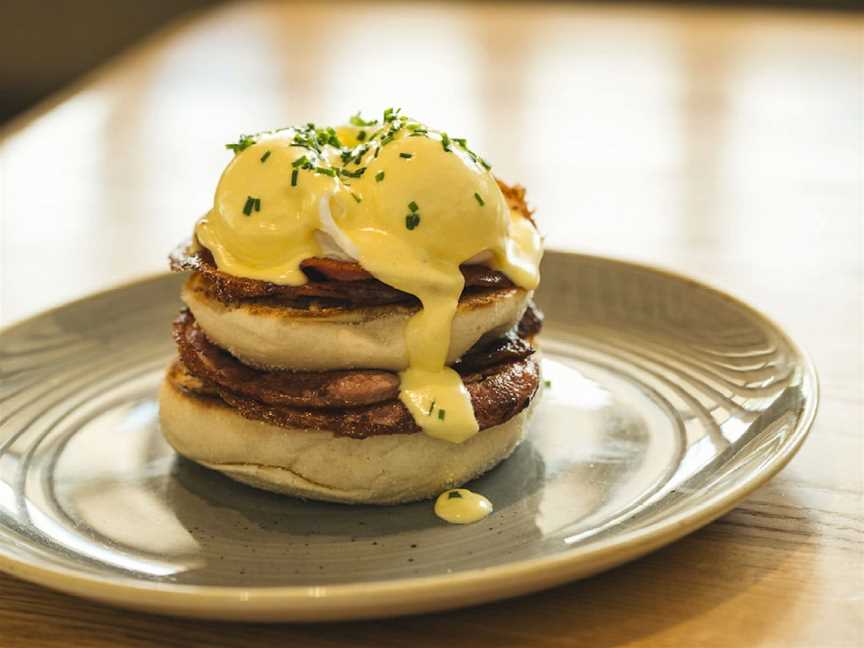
(461, 506)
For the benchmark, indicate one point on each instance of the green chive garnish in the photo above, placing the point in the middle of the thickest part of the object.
(407, 156)
(454, 495)
(354, 174)
(547, 383)
(441, 414)
(379, 176)
(265, 156)
(241, 144)
(445, 142)
(479, 199)
(249, 206)
(357, 120)
(325, 171)
(294, 175)
(299, 161)
(413, 206)
(361, 136)
(412, 221)
(356, 197)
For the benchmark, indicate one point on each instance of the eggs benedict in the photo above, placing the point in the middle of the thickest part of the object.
(359, 319)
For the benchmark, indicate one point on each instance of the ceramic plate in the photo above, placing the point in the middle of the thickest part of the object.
(668, 402)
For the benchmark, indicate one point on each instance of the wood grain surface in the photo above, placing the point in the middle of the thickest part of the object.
(726, 144)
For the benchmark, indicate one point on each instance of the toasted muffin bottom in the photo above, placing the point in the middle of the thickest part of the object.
(313, 464)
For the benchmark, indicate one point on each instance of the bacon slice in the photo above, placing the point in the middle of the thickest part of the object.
(335, 270)
(356, 291)
(515, 197)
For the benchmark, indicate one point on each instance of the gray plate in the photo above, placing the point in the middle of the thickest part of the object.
(669, 402)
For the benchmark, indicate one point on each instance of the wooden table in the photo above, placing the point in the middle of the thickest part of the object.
(726, 144)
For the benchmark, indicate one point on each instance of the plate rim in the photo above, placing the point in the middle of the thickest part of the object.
(378, 599)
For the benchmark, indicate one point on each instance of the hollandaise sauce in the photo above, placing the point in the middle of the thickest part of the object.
(461, 506)
(409, 204)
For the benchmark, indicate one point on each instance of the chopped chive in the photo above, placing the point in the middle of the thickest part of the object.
(485, 164)
(379, 176)
(265, 156)
(361, 136)
(479, 199)
(325, 171)
(357, 120)
(356, 197)
(441, 414)
(328, 136)
(354, 174)
(407, 156)
(445, 142)
(390, 135)
(431, 407)
(454, 495)
(412, 220)
(241, 144)
(249, 206)
(294, 175)
(547, 383)
(413, 206)
(299, 161)
(257, 204)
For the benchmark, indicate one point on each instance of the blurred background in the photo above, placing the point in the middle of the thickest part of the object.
(709, 138)
(73, 36)
(48, 43)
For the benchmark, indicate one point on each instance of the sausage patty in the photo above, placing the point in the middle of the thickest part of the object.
(330, 389)
(501, 377)
(497, 394)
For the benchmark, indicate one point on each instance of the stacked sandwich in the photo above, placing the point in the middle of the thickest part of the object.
(358, 322)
